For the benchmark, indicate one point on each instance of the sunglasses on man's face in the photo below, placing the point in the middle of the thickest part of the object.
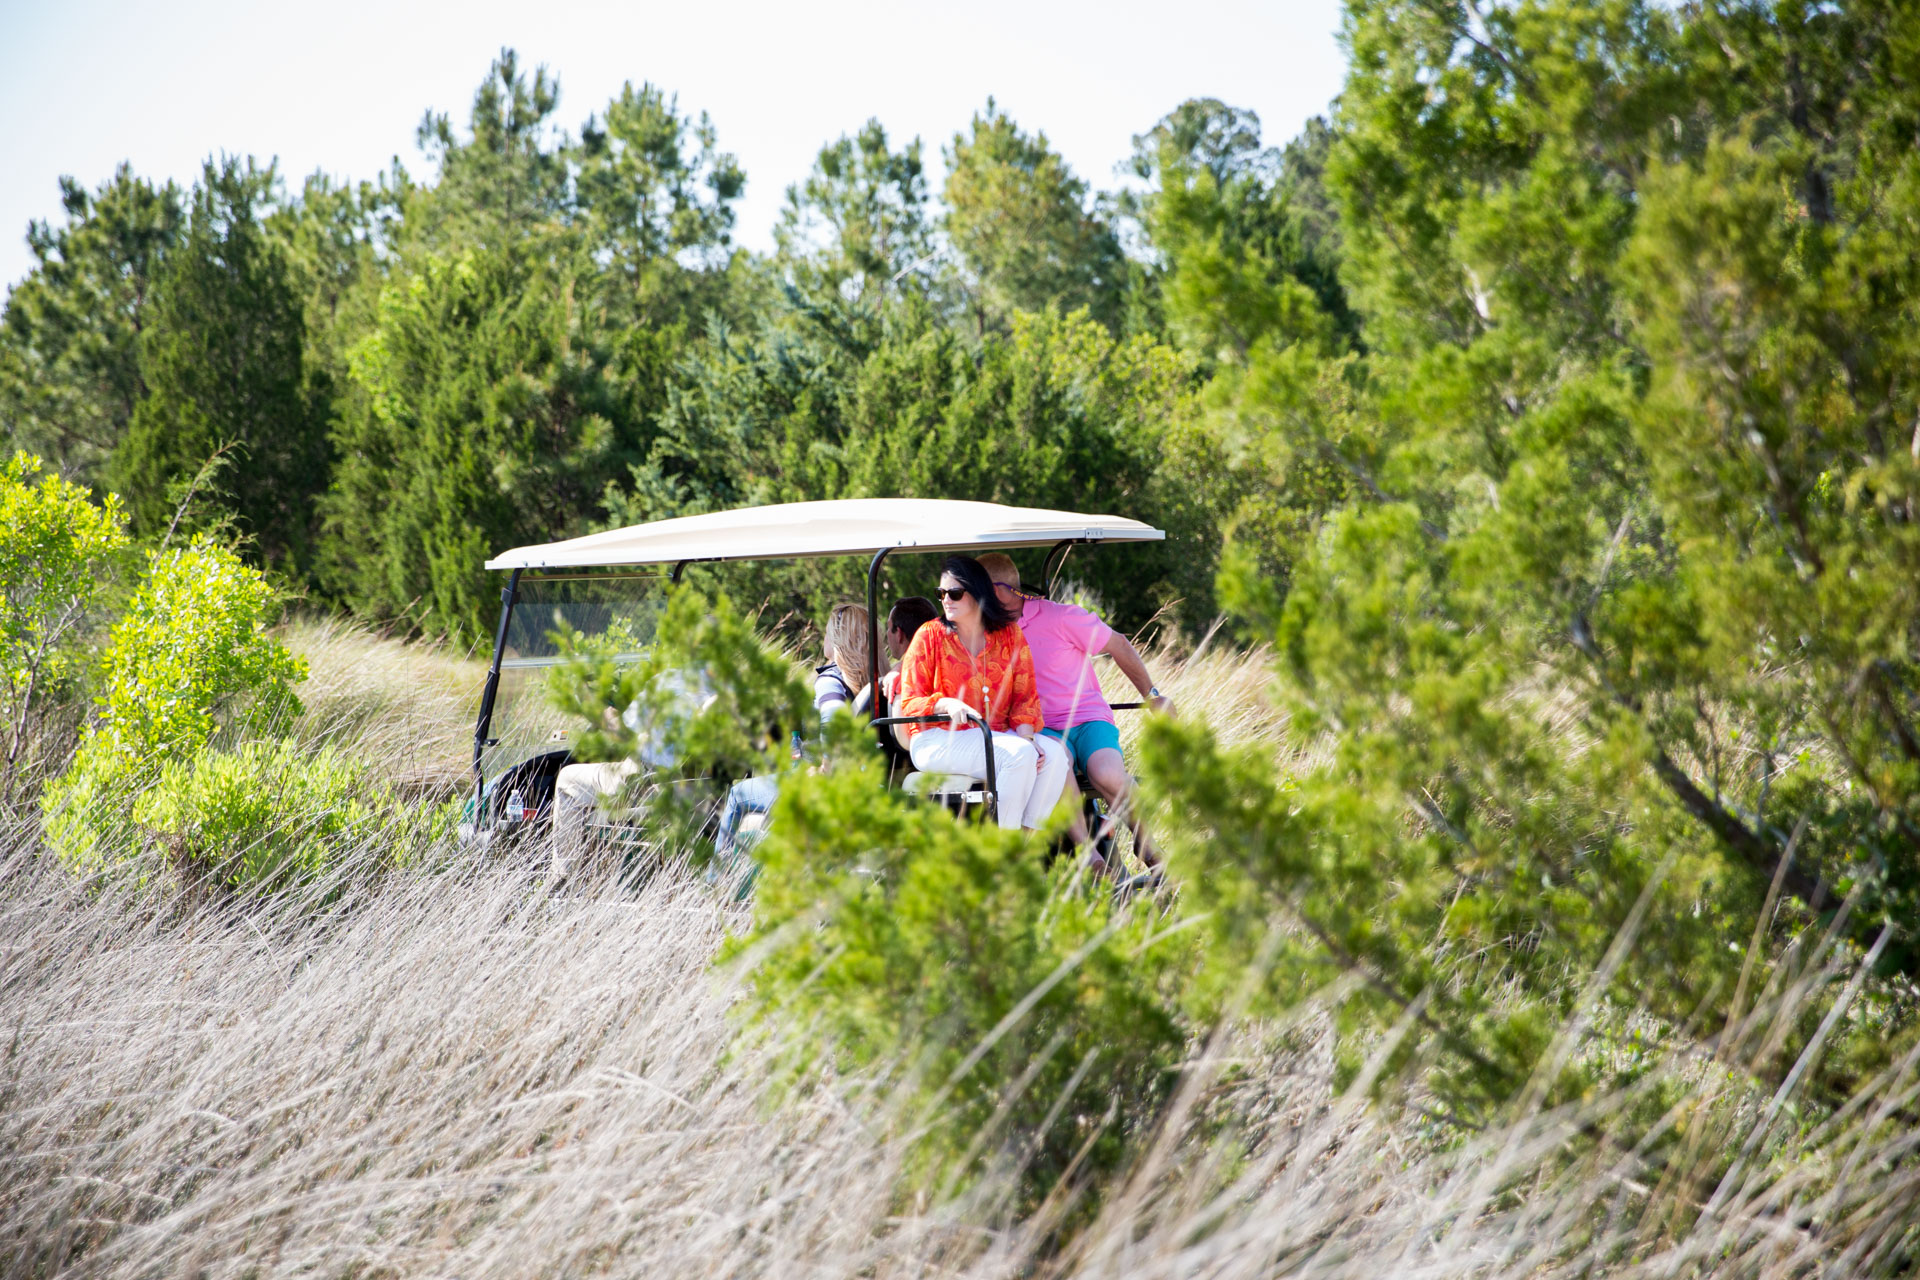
(951, 593)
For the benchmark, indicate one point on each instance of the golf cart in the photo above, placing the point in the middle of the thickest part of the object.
(609, 586)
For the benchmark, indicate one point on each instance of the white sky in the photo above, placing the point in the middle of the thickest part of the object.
(341, 86)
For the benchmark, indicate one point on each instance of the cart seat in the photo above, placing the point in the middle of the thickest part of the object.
(947, 787)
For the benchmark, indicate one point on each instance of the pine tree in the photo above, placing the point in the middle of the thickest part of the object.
(858, 220)
(1612, 639)
(518, 358)
(224, 361)
(70, 343)
(483, 421)
(653, 188)
(1021, 221)
(506, 179)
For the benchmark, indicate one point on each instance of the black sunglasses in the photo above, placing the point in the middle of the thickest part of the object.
(951, 593)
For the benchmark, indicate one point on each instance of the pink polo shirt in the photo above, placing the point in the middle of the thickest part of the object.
(1064, 638)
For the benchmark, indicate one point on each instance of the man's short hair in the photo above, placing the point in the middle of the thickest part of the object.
(909, 615)
(1001, 568)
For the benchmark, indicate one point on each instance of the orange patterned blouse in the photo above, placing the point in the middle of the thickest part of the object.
(938, 666)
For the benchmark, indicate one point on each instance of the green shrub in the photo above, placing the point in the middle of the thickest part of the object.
(1034, 1019)
(273, 811)
(191, 652)
(192, 647)
(87, 811)
(54, 545)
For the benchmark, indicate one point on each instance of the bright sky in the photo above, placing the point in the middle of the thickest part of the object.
(341, 86)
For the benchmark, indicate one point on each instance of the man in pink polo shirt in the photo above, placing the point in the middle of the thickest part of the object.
(1065, 639)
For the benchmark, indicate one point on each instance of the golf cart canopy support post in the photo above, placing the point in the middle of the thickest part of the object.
(876, 700)
(1056, 561)
(874, 527)
(508, 595)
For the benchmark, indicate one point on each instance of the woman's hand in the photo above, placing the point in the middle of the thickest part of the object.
(1039, 759)
(955, 710)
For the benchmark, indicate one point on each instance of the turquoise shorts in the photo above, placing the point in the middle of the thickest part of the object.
(1086, 738)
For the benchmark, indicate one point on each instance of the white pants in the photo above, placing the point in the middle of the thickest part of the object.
(1027, 795)
(576, 805)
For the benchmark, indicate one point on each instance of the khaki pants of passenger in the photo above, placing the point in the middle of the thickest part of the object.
(577, 793)
(1026, 794)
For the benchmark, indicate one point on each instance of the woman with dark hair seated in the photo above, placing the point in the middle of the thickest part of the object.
(979, 662)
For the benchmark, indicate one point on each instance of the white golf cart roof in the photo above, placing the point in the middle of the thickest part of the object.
(848, 526)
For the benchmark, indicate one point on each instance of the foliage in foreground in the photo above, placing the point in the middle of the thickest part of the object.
(271, 812)
(1612, 643)
(452, 1016)
(1031, 1023)
(180, 1077)
(191, 652)
(1033, 1020)
(55, 549)
(707, 704)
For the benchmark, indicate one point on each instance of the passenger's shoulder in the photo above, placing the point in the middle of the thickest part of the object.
(927, 637)
(1056, 611)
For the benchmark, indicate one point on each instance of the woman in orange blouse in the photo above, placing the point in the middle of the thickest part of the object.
(977, 660)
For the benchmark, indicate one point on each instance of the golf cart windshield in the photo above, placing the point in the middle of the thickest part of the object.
(619, 612)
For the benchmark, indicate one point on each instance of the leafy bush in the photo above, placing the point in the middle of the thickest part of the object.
(192, 648)
(54, 545)
(1035, 1020)
(87, 811)
(273, 811)
(194, 644)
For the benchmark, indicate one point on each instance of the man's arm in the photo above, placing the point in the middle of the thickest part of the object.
(1127, 658)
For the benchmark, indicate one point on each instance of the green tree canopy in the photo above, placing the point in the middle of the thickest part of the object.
(491, 412)
(858, 219)
(70, 342)
(1056, 413)
(517, 357)
(507, 177)
(1021, 221)
(1244, 273)
(224, 359)
(1235, 226)
(655, 197)
(1613, 634)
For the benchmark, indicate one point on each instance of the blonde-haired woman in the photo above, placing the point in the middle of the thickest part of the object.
(835, 687)
(849, 653)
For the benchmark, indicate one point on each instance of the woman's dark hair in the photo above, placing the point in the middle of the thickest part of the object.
(973, 576)
(909, 615)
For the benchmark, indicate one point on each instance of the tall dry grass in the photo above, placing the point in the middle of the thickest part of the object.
(405, 707)
(456, 1071)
